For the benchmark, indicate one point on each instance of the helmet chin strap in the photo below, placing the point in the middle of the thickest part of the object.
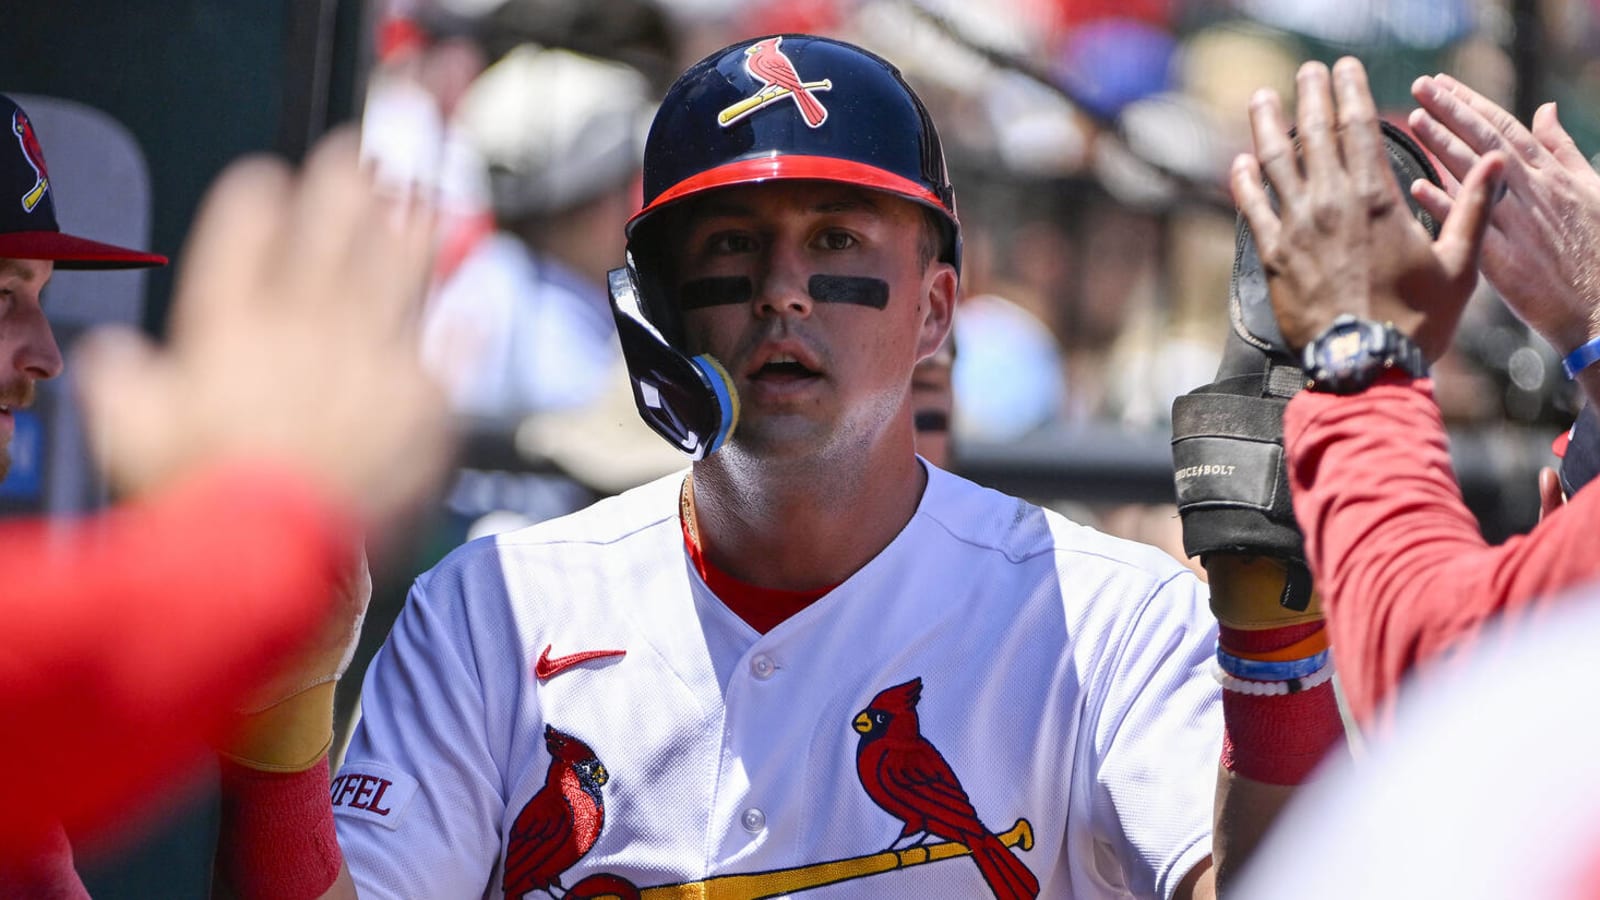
(689, 401)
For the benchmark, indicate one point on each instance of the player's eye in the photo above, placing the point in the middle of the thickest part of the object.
(726, 242)
(834, 239)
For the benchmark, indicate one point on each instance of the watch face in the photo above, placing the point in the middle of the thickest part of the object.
(1353, 352)
(1345, 357)
(1341, 349)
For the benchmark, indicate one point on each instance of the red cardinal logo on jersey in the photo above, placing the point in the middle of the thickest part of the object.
(561, 822)
(767, 63)
(31, 151)
(905, 775)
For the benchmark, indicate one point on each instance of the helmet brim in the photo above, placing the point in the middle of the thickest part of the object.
(792, 168)
(73, 252)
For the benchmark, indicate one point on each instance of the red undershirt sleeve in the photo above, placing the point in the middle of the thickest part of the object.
(1403, 569)
(131, 636)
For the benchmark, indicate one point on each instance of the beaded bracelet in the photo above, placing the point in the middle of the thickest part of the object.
(1258, 670)
(1582, 358)
(1273, 688)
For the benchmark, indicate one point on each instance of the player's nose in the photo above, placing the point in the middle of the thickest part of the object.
(784, 288)
(36, 355)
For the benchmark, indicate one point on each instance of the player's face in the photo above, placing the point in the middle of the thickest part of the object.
(28, 351)
(816, 299)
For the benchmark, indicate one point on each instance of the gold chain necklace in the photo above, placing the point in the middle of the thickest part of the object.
(686, 510)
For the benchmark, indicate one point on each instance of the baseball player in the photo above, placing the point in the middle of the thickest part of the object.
(812, 665)
(32, 247)
(275, 424)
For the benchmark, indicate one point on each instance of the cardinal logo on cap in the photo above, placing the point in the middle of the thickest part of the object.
(23, 129)
(767, 63)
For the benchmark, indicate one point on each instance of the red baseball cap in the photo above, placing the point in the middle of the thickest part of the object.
(28, 228)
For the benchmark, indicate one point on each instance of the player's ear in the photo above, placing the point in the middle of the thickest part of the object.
(940, 286)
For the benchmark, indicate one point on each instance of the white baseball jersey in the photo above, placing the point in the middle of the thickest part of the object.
(570, 700)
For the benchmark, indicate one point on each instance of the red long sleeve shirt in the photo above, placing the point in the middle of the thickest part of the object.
(1404, 572)
(130, 637)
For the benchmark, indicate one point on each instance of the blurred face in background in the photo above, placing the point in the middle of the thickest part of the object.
(933, 402)
(28, 351)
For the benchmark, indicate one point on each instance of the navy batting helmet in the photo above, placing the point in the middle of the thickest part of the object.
(786, 107)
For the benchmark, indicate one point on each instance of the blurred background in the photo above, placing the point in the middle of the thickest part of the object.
(1088, 142)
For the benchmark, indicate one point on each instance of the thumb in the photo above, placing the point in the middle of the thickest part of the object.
(1547, 128)
(1461, 237)
(120, 377)
(1550, 497)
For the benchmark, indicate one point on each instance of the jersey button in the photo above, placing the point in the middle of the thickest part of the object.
(762, 666)
(753, 820)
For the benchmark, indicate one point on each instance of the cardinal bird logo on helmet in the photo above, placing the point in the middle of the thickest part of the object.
(767, 63)
(23, 129)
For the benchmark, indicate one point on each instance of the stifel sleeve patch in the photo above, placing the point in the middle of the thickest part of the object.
(373, 793)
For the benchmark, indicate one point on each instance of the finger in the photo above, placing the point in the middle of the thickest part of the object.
(1360, 138)
(1453, 154)
(127, 395)
(1547, 129)
(1438, 204)
(1550, 496)
(231, 245)
(1432, 198)
(1523, 144)
(1461, 237)
(1274, 150)
(1457, 116)
(1252, 200)
(1314, 122)
(333, 200)
(394, 260)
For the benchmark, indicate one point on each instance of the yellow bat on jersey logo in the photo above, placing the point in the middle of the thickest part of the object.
(758, 885)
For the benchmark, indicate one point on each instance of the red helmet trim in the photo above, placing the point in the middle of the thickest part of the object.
(793, 168)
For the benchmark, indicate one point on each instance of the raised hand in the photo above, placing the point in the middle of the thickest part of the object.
(1542, 252)
(1342, 239)
(293, 338)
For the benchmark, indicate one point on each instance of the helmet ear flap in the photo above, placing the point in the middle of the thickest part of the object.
(689, 401)
(651, 259)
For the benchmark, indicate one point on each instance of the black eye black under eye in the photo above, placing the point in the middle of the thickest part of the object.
(853, 289)
(726, 290)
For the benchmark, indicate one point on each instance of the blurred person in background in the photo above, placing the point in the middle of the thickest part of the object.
(522, 326)
(290, 396)
(933, 404)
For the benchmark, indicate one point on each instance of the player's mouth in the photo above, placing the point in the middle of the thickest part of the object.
(782, 370)
(782, 359)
